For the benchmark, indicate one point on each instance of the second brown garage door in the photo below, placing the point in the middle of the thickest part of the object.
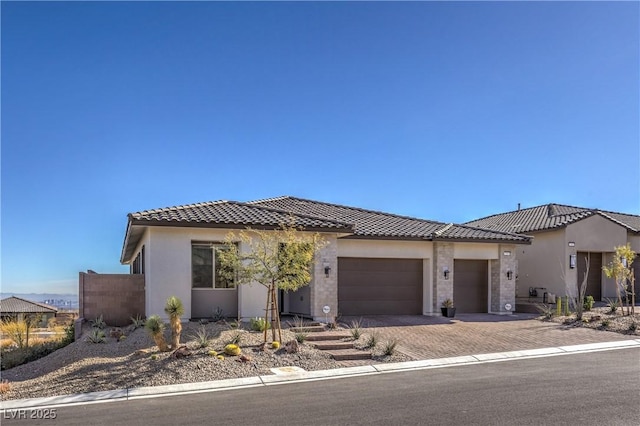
(470, 285)
(368, 286)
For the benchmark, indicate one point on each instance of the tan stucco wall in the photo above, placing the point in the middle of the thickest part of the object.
(540, 264)
(168, 251)
(634, 241)
(475, 251)
(544, 262)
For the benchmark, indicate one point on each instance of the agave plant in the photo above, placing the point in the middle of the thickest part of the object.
(155, 327)
(175, 310)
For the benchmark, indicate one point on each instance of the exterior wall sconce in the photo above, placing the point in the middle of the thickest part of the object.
(572, 244)
(327, 270)
(572, 261)
(509, 274)
(445, 272)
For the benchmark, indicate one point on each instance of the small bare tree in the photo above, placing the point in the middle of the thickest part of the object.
(279, 259)
(621, 271)
(577, 292)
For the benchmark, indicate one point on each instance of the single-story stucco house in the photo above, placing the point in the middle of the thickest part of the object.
(563, 238)
(374, 262)
(17, 308)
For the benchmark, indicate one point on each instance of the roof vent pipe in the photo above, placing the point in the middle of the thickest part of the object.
(518, 206)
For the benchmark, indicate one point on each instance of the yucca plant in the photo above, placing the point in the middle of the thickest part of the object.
(175, 310)
(155, 327)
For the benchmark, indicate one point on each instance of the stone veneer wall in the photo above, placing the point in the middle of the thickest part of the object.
(324, 290)
(442, 289)
(503, 290)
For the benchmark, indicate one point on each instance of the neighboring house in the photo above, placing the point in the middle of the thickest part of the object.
(374, 262)
(564, 236)
(17, 308)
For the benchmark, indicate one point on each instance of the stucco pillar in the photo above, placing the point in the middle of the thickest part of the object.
(442, 287)
(324, 288)
(503, 288)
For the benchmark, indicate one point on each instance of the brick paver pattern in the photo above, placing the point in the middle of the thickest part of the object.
(423, 337)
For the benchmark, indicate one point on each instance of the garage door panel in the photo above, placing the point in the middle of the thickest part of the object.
(380, 292)
(368, 286)
(376, 306)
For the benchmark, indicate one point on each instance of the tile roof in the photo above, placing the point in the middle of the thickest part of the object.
(225, 214)
(232, 213)
(376, 224)
(14, 304)
(550, 216)
(310, 215)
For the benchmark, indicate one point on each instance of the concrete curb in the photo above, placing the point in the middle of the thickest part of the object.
(306, 376)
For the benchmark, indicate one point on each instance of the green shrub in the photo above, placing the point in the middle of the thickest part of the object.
(98, 323)
(236, 338)
(545, 310)
(259, 324)
(390, 347)
(633, 327)
(96, 336)
(356, 329)
(218, 314)
(613, 305)
(588, 303)
(202, 337)
(301, 337)
(372, 340)
(604, 323)
(138, 322)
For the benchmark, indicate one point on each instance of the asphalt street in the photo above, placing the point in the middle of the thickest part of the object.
(582, 389)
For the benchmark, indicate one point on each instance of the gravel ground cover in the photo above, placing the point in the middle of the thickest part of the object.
(136, 361)
(602, 318)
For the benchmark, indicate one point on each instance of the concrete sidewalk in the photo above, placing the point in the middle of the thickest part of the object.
(431, 341)
(282, 376)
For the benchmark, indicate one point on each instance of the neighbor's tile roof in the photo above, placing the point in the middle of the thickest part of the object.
(18, 305)
(369, 223)
(550, 216)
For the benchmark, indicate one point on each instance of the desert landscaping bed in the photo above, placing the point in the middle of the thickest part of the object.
(136, 361)
(603, 319)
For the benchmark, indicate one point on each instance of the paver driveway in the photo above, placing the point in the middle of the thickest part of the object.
(424, 337)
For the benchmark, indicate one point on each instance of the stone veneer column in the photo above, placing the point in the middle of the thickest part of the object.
(324, 290)
(442, 288)
(503, 290)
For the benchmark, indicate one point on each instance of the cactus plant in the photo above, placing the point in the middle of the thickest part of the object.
(232, 350)
(275, 345)
(155, 327)
(175, 309)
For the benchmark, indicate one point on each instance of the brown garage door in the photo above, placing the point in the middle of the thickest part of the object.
(470, 285)
(594, 280)
(369, 286)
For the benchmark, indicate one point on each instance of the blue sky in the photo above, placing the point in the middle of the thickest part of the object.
(445, 111)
